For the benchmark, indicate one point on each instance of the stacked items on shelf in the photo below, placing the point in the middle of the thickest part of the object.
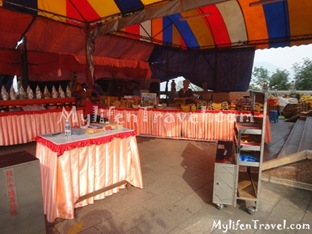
(30, 101)
(29, 94)
(305, 103)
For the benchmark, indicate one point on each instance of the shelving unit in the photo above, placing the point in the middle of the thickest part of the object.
(248, 141)
(249, 153)
(35, 104)
(42, 101)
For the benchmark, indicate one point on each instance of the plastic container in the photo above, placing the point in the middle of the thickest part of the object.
(248, 158)
(67, 128)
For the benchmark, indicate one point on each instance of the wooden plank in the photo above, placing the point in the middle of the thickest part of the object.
(92, 194)
(291, 183)
(281, 161)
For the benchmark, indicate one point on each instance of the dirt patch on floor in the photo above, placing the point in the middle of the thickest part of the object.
(299, 171)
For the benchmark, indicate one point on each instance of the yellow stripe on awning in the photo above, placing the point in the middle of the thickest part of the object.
(199, 28)
(300, 12)
(148, 2)
(55, 7)
(255, 21)
(104, 9)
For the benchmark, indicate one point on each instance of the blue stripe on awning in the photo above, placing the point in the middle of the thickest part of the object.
(19, 5)
(185, 30)
(277, 22)
(167, 30)
(129, 6)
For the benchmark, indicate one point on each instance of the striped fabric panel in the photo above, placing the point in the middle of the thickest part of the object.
(228, 22)
(177, 39)
(200, 27)
(148, 2)
(217, 26)
(87, 12)
(277, 22)
(234, 21)
(156, 29)
(57, 7)
(134, 30)
(32, 4)
(167, 30)
(146, 29)
(183, 28)
(128, 6)
(300, 17)
(255, 22)
(104, 8)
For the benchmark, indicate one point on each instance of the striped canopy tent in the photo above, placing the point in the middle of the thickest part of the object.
(205, 40)
(233, 23)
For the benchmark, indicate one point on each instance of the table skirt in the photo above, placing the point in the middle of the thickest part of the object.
(207, 125)
(20, 128)
(83, 170)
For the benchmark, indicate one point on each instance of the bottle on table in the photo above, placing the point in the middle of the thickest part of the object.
(67, 128)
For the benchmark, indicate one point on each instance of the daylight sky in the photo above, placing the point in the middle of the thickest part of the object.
(284, 57)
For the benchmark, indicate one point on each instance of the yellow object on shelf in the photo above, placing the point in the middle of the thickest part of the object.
(185, 108)
(193, 107)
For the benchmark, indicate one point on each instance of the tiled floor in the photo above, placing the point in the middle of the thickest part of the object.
(177, 198)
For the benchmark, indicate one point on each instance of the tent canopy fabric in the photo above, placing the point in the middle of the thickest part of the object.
(188, 24)
(232, 23)
(125, 36)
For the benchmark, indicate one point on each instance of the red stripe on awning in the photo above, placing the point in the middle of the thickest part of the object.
(82, 10)
(134, 30)
(217, 24)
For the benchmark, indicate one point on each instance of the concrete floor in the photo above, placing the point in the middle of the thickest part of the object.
(177, 198)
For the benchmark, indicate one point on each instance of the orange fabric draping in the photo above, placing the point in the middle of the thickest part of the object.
(85, 169)
(24, 127)
(210, 125)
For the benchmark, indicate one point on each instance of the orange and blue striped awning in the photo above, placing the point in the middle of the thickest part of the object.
(233, 23)
(79, 11)
(190, 24)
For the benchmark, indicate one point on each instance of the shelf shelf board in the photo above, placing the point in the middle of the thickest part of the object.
(21, 102)
(251, 131)
(247, 198)
(249, 147)
(246, 187)
(249, 128)
(248, 164)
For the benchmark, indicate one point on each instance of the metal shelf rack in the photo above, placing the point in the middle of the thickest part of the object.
(242, 175)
